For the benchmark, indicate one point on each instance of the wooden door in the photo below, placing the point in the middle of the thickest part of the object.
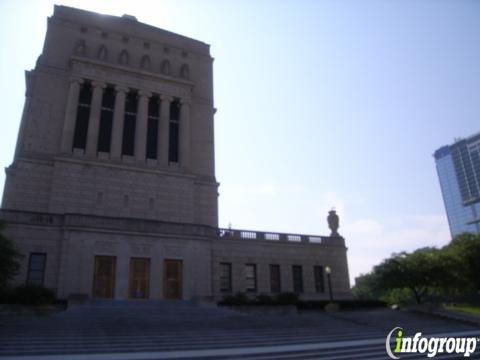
(104, 277)
(172, 279)
(139, 278)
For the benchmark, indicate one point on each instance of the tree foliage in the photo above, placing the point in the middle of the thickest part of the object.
(425, 273)
(9, 259)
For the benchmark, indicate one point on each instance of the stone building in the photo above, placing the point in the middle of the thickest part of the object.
(112, 190)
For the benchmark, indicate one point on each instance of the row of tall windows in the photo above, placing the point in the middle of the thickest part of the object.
(129, 124)
(139, 278)
(250, 272)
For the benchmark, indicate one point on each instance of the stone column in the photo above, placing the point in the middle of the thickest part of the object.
(185, 135)
(163, 130)
(94, 119)
(118, 119)
(70, 116)
(141, 126)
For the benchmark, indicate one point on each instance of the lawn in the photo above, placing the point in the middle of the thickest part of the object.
(468, 309)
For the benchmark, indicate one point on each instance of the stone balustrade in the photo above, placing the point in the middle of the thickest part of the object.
(237, 234)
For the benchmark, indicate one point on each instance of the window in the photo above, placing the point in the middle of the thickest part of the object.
(139, 278)
(152, 127)
(128, 144)
(83, 114)
(225, 277)
(275, 285)
(106, 120)
(319, 283)
(250, 277)
(174, 130)
(36, 268)
(297, 279)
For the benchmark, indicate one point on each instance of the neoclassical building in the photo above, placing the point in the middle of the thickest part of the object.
(112, 190)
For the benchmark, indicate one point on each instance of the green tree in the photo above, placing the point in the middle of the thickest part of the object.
(9, 259)
(366, 287)
(464, 252)
(421, 272)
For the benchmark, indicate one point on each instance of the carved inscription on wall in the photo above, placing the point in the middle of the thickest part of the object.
(105, 246)
(141, 249)
(174, 251)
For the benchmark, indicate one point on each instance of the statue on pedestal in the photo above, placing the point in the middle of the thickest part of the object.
(333, 222)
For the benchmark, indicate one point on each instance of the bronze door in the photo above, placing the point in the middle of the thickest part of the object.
(139, 278)
(172, 279)
(104, 277)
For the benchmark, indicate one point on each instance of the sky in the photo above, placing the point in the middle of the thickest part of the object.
(321, 104)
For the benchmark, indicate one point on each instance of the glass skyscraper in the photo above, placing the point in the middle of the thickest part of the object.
(458, 168)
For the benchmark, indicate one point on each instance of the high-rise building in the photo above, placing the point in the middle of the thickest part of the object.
(112, 191)
(458, 168)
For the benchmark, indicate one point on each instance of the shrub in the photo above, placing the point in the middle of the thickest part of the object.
(237, 299)
(343, 304)
(263, 299)
(287, 298)
(32, 295)
(9, 259)
(6, 295)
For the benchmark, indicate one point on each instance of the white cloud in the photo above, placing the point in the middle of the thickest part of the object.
(370, 241)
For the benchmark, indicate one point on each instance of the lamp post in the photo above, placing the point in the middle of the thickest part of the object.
(329, 271)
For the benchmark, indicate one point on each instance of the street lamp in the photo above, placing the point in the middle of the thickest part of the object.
(329, 271)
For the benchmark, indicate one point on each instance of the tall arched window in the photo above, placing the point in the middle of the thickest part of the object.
(102, 53)
(184, 71)
(80, 48)
(145, 62)
(166, 68)
(123, 59)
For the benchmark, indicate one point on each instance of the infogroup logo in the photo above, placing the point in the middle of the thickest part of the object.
(431, 346)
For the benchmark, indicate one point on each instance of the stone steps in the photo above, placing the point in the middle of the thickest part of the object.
(162, 326)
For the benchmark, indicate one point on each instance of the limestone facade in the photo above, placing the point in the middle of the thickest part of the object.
(115, 159)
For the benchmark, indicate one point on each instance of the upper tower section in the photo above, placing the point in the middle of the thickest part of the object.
(114, 89)
(118, 121)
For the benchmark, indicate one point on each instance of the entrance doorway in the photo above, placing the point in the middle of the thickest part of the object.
(104, 277)
(172, 279)
(139, 278)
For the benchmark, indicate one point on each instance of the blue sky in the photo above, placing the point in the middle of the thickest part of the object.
(320, 104)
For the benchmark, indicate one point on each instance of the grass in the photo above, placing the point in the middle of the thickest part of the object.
(468, 309)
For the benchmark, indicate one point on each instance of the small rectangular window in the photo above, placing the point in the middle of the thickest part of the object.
(36, 269)
(297, 279)
(319, 279)
(250, 277)
(275, 284)
(225, 277)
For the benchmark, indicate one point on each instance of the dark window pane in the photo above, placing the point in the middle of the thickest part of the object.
(152, 138)
(275, 285)
(108, 99)
(297, 278)
(81, 127)
(128, 144)
(131, 103)
(85, 97)
(319, 282)
(36, 268)
(175, 111)
(250, 277)
(225, 277)
(105, 131)
(173, 142)
(153, 107)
